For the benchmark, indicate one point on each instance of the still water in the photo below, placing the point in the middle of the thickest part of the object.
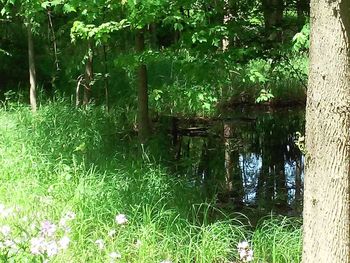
(245, 158)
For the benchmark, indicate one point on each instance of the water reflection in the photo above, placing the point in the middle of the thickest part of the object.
(245, 158)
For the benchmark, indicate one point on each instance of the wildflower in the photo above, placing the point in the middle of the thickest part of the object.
(115, 255)
(245, 253)
(65, 219)
(121, 219)
(37, 245)
(9, 243)
(50, 189)
(138, 243)
(5, 230)
(32, 226)
(243, 245)
(70, 215)
(249, 256)
(166, 261)
(12, 247)
(100, 243)
(48, 228)
(5, 212)
(64, 242)
(51, 248)
(112, 233)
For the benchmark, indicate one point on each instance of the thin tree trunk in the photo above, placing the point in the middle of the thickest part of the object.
(229, 165)
(89, 74)
(32, 71)
(273, 15)
(54, 42)
(303, 9)
(326, 196)
(154, 38)
(106, 77)
(142, 81)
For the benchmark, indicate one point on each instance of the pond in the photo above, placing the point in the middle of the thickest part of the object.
(245, 159)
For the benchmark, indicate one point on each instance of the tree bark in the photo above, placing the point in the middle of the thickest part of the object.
(326, 195)
(142, 81)
(89, 74)
(32, 70)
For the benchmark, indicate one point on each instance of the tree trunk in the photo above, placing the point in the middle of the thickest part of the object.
(89, 74)
(228, 161)
(326, 197)
(303, 10)
(106, 77)
(32, 71)
(142, 81)
(273, 15)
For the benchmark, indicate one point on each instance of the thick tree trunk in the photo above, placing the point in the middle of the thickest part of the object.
(326, 196)
(142, 117)
(89, 74)
(32, 71)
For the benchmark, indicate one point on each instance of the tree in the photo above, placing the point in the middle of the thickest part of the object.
(327, 179)
(32, 70)
(28, 11)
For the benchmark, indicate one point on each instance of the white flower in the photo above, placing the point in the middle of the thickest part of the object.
(50, 189)
(5, 230)
(100, 243)
(112, 232)
(166, 261)
(70, 215)
(121, 219)
(245, 253)
(9, 243)
(51, 248)
(64, 242)
(138, 243)
(115, 255)
(249, 256)
(37, 245)
(5, 212)
(242, 254)
(243, 245)
(48, 228)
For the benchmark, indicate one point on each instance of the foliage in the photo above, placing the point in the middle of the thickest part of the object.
(60, 160)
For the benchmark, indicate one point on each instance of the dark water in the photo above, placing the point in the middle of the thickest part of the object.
(244, 159)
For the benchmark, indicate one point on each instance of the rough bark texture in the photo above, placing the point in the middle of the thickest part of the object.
(326, 194)
(32, 71)
(142, 117)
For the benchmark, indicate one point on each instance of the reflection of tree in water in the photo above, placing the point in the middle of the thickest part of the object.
(257, 163)
(272, 169)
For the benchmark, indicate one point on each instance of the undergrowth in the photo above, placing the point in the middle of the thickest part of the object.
(68, 175)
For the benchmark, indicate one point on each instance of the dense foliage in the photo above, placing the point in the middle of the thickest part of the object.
(198, 53)
(76, 184)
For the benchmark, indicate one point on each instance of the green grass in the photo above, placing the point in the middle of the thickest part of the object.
(64, 159)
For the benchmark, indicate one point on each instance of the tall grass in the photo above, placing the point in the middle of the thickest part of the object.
(63, 159)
